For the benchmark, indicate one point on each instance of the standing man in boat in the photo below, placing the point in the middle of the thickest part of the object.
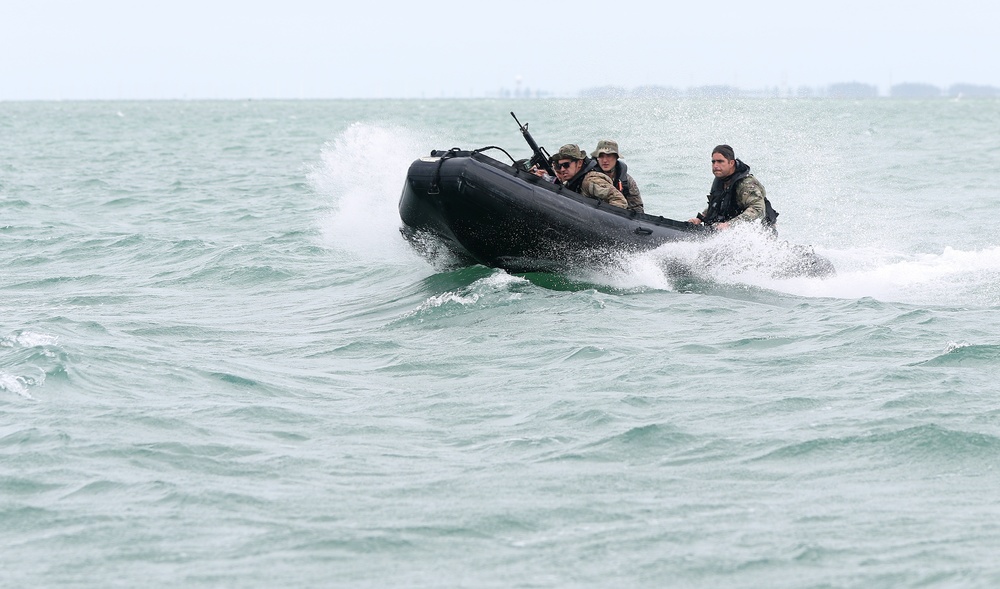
(610, 163)
(580, 174)
(736, 196)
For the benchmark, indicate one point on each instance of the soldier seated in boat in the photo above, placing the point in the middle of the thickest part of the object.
(580, 174)
(736, 196)
(609, 160)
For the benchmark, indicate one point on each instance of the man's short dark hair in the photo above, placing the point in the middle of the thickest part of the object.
(725, 151)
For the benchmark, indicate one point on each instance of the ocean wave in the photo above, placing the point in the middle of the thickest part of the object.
(965, 355)
(28, 339)
(14, 384)
(28, 357)
(930, 442)
(497, 288)
(650, 443)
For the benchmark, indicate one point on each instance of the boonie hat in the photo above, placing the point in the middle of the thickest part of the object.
(606, 146)
(570, 151)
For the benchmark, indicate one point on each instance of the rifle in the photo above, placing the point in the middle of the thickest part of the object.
(540, 157)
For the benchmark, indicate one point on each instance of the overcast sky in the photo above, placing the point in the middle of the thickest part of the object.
(108, 49)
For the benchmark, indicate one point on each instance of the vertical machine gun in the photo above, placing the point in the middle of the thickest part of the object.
(539, 158)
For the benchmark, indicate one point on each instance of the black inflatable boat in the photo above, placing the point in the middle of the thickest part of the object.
(487, 212)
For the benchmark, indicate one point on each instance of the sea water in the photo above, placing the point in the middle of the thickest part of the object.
(222, 366)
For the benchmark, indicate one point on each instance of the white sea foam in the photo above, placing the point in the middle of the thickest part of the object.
(952, 346)
(28, 339)
(498, 283)
(450, 297)
(14, 384)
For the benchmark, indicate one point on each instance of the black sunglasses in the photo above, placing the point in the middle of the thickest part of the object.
(563, 165)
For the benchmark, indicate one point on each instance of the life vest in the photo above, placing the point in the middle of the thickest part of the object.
(576, 182)
(722, 204)
(620, 178)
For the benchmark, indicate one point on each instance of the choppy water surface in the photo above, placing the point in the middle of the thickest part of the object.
(221, 365)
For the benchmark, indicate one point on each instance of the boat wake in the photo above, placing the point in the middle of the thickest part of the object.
(951, 277)
(748, 259)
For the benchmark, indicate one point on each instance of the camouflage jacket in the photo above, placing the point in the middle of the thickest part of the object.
(746, 198)
(625, 183)
(598, 185)
(591, 181)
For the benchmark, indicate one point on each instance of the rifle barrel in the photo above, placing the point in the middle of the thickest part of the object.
(539, 154)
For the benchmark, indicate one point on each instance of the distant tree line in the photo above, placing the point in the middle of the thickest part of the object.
(910, 90)
(839, 90)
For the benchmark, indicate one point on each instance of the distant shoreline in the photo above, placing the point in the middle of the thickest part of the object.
(838, 90)
(844, 90)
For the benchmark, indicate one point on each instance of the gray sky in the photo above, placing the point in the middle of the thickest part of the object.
(108, 49)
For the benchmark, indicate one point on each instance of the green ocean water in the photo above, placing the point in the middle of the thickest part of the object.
(222, 366)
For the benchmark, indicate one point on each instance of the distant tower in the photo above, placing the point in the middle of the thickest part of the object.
(517, 86)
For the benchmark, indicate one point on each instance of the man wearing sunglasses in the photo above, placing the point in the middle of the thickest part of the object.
(736, 196)
(580, 174)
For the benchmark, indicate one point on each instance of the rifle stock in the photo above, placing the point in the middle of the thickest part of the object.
(539, 156)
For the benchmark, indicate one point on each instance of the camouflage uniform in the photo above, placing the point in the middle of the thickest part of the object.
(749, 199)
(590, 181)
(748, 204)
(620, 178)
(598, 185)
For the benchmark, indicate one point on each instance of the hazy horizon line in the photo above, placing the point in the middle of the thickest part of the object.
(833, 90)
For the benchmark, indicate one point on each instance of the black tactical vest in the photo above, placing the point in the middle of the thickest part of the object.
(722, 201)
(576, 182)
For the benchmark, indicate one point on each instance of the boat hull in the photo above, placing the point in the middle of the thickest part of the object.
(487, 212)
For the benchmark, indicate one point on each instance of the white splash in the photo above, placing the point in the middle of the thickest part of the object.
(362, 173)
(950, 277)
(745, 256)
